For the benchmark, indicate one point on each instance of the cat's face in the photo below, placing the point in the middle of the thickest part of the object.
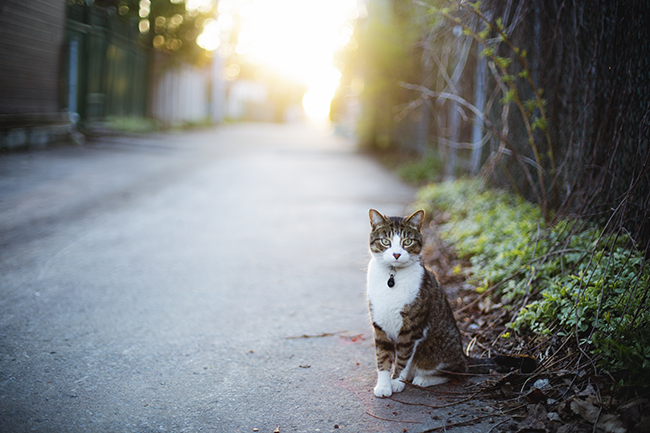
(396, 241)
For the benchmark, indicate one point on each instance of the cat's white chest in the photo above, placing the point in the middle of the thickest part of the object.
(387, 303)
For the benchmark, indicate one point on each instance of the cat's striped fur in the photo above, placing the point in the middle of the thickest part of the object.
(415, 331)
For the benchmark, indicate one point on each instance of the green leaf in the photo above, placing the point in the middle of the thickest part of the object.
(530, 106)
(488, 51)
(502, 62)
(540, 123)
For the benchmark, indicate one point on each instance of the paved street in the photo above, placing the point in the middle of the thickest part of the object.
(169, 283)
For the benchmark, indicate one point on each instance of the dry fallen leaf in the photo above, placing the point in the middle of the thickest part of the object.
(607, 423)
(585, 409)
(532, 424)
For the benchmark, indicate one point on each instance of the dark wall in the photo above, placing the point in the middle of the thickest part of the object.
(31, 35)
(592, 58)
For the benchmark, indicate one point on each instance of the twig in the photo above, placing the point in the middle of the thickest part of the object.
(497, 425)
(474, 342)
(324, 334)
(536, 91)
(473, 420)
(393, 420)
(530, 127)
(555, 361)
(488, 291)
(439, 406)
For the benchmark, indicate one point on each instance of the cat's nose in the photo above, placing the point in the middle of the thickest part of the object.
(396, 255)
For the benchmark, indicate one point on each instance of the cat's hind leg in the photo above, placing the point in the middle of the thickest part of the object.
(397, 385)
(425, 380)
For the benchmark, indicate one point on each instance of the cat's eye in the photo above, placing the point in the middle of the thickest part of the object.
(407, 242)
(385, 242)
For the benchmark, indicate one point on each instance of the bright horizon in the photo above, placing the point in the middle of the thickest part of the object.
(295, 38)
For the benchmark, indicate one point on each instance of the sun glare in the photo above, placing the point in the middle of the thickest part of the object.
(295, 38)
(321, 89)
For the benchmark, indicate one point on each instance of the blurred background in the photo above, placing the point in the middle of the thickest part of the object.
(549, 99)
(172, 61)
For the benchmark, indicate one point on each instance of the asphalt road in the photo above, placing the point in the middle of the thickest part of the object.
(206, 281)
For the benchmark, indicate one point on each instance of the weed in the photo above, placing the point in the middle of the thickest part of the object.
(570, 280)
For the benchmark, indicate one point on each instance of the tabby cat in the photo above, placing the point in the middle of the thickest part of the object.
(414, 328)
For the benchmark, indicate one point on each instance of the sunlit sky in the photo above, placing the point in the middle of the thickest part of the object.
(296, 38)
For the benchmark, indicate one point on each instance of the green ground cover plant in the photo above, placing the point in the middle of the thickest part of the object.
(419, 171)
(571, 281)
(132, 125)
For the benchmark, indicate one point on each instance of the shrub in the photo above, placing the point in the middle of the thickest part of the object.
(570, 280)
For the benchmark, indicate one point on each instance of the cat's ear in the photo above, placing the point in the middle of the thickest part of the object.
(416, 219)
(376, 218)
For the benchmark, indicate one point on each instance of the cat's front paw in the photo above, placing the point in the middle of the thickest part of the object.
(383, 390)
(397, 385)
(383, 387)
